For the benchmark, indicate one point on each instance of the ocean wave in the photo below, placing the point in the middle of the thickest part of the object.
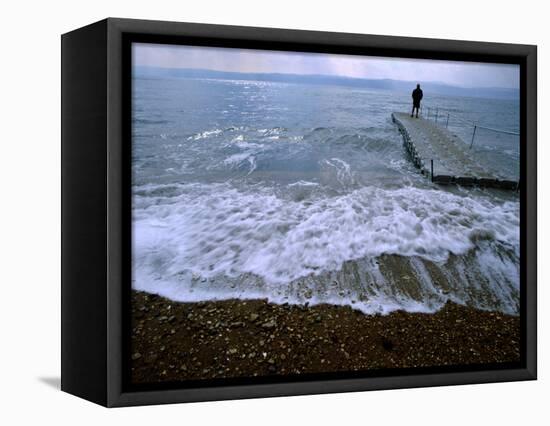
(253, 243)
(205, 134)
(342, 170)
(303, 183)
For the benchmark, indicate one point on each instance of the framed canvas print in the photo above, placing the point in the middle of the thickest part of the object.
(251, 212)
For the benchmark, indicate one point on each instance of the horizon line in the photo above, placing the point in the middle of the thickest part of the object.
(440, 83)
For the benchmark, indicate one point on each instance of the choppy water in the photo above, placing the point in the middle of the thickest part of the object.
(303, 193)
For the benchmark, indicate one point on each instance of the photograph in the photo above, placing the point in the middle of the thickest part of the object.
(302, 214)
(275, 213)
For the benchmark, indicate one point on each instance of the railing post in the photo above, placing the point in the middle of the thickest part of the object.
(473, 136)
(436, 114)
(447, 125)
(432, 169)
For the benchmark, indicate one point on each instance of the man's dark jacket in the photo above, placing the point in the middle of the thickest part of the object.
(417, 96)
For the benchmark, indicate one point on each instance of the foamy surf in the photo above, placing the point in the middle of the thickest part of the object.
(378, 250)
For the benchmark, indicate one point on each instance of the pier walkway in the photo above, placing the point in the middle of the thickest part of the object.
(444, 157)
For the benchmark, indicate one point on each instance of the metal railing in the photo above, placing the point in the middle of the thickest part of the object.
(477, 126)
(439, 115)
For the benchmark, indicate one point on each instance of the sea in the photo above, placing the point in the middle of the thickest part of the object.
(304, 194)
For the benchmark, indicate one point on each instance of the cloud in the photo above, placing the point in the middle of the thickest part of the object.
(465, 74)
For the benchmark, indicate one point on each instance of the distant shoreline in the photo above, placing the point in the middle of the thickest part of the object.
(496, 93)
(174, 341)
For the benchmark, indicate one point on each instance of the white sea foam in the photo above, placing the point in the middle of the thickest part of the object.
(303, 183)
(200, 241)
(343, 172)
(205, 134)
(237, 159)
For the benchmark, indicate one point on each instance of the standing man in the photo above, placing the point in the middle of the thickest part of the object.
(417, 97)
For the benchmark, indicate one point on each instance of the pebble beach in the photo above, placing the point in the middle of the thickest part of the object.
(174, 341)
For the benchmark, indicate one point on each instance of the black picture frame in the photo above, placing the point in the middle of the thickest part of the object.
(96, 133)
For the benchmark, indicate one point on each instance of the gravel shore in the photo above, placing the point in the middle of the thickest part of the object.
(174, 341)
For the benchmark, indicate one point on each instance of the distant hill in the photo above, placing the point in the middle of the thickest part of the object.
(384, 84)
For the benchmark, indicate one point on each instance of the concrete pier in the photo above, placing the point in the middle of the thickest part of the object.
(444, 157)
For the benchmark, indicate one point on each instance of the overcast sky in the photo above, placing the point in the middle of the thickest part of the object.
(465, 74)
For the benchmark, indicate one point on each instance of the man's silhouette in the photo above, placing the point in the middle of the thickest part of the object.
(417, 97)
